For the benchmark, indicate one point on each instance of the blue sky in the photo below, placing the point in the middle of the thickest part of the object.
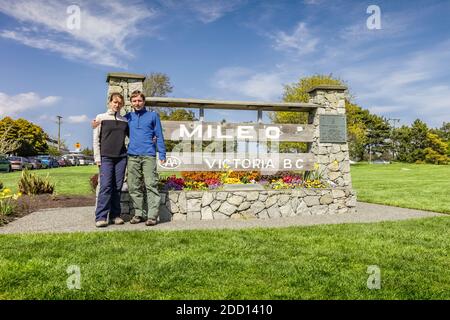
(235, 49)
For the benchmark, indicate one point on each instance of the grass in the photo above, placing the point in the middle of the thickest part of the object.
(319, 262)
(68, 180)
(416, 186)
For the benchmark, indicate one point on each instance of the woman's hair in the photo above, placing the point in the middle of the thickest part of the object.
(116, 94)
(137, 93)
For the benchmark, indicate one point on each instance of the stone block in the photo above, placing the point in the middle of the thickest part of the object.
(311, 201)
(326, 199)
(244, 206)
(207, 213)
(215, 205)
(235, 200)
(227, 209)
(257, 207)
(207, 198)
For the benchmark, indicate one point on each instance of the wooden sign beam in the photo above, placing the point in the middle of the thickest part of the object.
(213, 131)
(198, 161)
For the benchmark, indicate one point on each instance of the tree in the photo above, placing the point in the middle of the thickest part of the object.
(402, 147)
(53, 151)
(157, 84)
(7, 145)
(298, 92)
(176, 115)
(356, 130)
(32, 138)
(444, 134)
(420, 144)
(378, 133)
(88, 152)
(436, 151)
(419, 131)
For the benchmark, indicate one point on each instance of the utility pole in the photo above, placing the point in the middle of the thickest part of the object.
(59, 132)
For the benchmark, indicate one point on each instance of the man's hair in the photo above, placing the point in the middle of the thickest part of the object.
(116, 94)
(137, 93)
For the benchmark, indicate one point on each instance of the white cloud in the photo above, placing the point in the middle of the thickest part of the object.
(206, 11)
(407, 86)
(300, 41)
(78, 119)
(244, 82)
(13, 105)
(105, 28)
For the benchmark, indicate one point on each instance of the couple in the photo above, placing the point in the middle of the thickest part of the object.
(144, 129)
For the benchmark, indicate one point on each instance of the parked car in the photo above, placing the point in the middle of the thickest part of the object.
(71, 159)
(36, 163)
(82, 160)
(90, 161)
(63, 162)
(48, 161)
(20, 163)
(5, 165)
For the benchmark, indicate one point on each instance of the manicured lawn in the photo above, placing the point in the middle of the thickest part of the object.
(417, 186)
(320, 262)
(69, 180)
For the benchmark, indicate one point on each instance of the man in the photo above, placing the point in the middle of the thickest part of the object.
(142, 168)
(145, 134)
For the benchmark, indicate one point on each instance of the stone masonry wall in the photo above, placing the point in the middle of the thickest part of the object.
(124, 84)
(332, 158)
(207, 205)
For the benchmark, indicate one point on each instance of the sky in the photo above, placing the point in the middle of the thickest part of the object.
(53, 63)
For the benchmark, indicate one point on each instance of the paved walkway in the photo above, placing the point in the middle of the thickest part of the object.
(81, 219)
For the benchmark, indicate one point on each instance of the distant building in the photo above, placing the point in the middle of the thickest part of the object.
(54, 143)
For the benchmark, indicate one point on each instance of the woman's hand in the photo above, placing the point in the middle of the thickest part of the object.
(95, 123)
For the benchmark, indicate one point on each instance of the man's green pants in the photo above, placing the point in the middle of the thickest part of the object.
(143, 185)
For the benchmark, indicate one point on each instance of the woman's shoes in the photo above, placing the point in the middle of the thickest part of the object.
(117, 220)
(101, 223)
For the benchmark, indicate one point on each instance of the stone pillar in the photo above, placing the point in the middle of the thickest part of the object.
(332, 158)
(124, 83)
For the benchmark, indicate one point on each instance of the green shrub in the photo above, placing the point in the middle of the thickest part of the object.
(32, 184)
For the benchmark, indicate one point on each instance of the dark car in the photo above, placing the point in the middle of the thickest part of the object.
(5, 165)
(48, 161)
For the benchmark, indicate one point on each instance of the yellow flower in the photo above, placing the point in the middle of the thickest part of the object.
(316, 166)
(6, 191)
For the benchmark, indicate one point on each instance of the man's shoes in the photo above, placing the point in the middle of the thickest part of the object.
(117, 220)
(150, 222)
(136, 219)
(101, 224)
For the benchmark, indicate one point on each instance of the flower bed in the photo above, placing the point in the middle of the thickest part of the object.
(201, 181)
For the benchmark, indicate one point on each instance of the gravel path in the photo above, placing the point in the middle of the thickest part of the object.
(82, 219)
